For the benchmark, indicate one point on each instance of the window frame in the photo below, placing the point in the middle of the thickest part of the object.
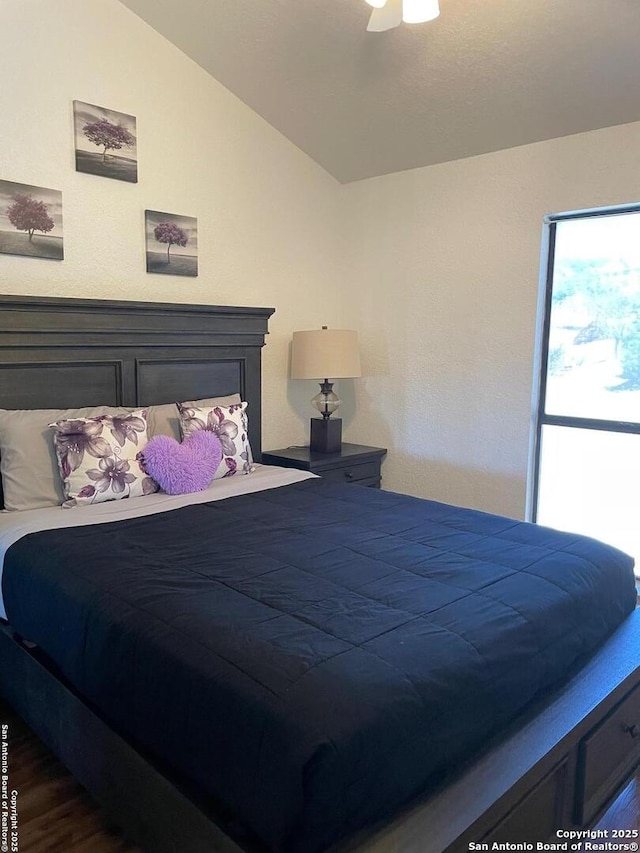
(539, 417)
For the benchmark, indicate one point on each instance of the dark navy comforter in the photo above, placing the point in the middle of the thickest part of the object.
(314, 655)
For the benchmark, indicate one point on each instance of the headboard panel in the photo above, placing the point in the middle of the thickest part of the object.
(65, 353)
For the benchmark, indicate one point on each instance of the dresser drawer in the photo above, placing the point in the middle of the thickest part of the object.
(353, 473)
(607, 756)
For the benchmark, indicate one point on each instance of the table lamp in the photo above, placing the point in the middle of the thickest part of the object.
(322, 354)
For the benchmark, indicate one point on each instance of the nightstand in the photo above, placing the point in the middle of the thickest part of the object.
(355, 463)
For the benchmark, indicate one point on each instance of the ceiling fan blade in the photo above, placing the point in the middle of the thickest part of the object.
(389, 16)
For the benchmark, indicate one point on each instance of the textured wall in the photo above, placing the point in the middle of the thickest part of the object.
(266, 213)
(444, 264)
(436, 267)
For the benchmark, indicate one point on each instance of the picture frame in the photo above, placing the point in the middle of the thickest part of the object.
(105, 142)
(179, 234)
(31, 221)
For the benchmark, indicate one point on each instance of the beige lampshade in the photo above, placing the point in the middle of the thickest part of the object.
(325, 354)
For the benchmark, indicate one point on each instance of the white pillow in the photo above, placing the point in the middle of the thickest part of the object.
(230, 424)
(28, 464)
(165, 419)
(100, 458)
(30, 477)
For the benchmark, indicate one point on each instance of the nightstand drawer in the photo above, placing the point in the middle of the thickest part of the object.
(355, 463)
(353, 473)
(607, 755)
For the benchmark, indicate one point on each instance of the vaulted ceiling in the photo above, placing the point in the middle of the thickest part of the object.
(486, 75)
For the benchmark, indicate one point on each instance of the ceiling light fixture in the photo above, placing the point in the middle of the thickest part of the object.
(419, 11)
(389, 13)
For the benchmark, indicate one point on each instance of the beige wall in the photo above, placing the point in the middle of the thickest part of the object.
(436, 267)
(443, 264)
(266, 213)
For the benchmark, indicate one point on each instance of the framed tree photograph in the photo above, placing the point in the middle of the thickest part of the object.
(171, 243)
(105, 142)
(30, 221)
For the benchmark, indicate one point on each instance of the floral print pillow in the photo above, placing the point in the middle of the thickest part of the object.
(100, 458)
(230, 424)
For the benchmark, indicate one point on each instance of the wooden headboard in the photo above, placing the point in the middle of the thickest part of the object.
(66, 353)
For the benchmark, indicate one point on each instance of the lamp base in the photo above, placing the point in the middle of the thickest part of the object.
(326, 435)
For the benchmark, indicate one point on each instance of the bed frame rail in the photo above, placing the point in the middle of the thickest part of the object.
(484, 801)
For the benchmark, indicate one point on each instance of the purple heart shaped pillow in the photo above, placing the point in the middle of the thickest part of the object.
(183, 468)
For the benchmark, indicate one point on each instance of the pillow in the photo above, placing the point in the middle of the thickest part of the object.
(180, 469)
(229, 423)
(165, 419)
(99, 458)
(30, 477)
(28, 464)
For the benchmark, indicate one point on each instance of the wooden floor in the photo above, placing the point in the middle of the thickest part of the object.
(56, 814)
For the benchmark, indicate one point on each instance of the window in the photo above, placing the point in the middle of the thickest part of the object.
(585, 469)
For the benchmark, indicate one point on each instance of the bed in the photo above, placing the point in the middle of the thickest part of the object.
(327, 597)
